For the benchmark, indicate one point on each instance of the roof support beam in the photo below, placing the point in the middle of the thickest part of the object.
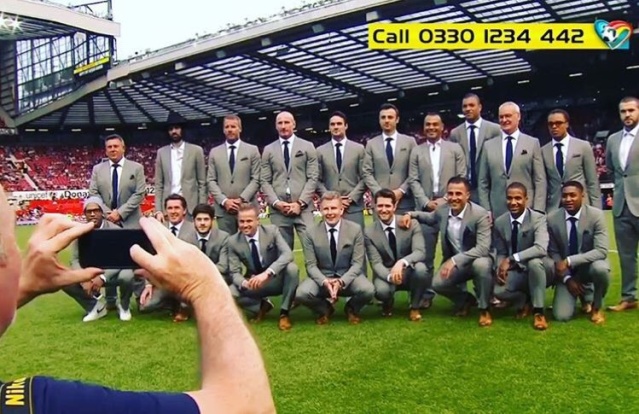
(63, 117)
(155, 87)
(91, 109)
(137, 106)
(107, 94)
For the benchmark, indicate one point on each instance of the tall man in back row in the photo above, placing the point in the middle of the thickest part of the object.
(289, 179)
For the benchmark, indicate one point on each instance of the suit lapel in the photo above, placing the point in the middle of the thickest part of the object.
(582, 225)
(569, 154)
(633, 152)
(331, 156)
(185, 159)
(563, 232)
(239, 153)
(547, 153)
(481, 136)
(166, 156)
(211, 242)
(443, 155)
(525, 228)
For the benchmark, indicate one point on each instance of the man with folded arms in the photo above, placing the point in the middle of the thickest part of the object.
(578, 251)
(521, 241)
(396, 256)
(334, 255)
(270, 270)
(465, 235)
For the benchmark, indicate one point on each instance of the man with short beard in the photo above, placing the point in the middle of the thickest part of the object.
(210, 240)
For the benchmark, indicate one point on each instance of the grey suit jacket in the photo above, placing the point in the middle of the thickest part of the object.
(592, 236)
(487, 131)
(348, 181)
(350, 253)
(411, 246)
(452, 164)
(244, 182)
(132, 188)
(378, 174)
(301, 177)
(527, 168)
(275, 253)
(216, 248)
(532, 237)
(476, 237)
(580, 165)
(186, 233)
(626, 179)
(75, 255)
(193, 178)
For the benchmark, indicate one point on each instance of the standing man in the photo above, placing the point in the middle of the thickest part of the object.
(386, 160)
(432, 165)
(179, 168)
(289, 179)
(211, 241)
(521, 240)
(471, 135)
(334, 255)
(578, 251)
(396, 256)
(514, 157)
(269, 267)
(233, 175)
(120, 183)
(622, 160)
(465, 235)
(340, 162)
(567, 158)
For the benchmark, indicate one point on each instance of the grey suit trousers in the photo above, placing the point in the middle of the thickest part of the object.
(627, 238)
(114, 278)
(520, 283)
(415, 281)
(314, 296)
(357, 217)
(431, 236)
(284, 284)
(227, 222)
(480, 270)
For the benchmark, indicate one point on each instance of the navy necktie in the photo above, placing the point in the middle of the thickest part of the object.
(473, 156)
(513, 238)
(114, 187)
(338, 156)
(174, 230)
(392, 241)
(573, 241)
(232, 158)
(333, 245)
(203, 245)
(287, 156)
(389, 151)
(255, 255)
(509, 152)
(559, 159)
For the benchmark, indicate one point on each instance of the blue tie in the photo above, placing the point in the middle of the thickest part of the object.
(232, 158)
(389, 151)
(114, 187)
(509, 152)
(338, 156)
(473, 156)
(573, 241)
(559, 159)
(287, 156)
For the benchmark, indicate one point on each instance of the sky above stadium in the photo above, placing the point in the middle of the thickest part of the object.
(144, 25)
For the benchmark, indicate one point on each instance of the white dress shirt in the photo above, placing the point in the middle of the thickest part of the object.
(565, 141)
(519, 220)
(627, 138)
(504, 142)
(454, 229)
(435, 152)
(177, 155)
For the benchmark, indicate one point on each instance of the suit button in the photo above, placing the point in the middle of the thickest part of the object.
(391, 173)
(625, 176)
(339, 179)
(231, 181)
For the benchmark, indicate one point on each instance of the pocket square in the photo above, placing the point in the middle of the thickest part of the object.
(524, 152)
(403, 149)
(270, 246)
(524, 234)
(576, 155)
(586, 233)
(132, 177)
(244, 159)
(298, 154)
(347, 246)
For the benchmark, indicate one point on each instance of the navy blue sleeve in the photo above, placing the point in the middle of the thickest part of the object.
(50, 396)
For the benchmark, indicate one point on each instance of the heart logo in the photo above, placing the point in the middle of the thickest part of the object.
(615, 34)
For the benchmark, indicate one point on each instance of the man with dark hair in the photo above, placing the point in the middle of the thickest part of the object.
(567, 158)
(396, 256)
(233, 175)
(520, 238)
(471, 135)
(270, 270)
(386, 160)
(465, 235)
(340, 162)
(210, 240)
(578, 251)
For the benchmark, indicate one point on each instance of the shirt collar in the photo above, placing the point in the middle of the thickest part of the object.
(392, 224)
(120, 163)
(393, 135)
(343, 142)
(577, 214)
(477, 123)
(256, 236)
(178, 146)
(337, 226)
(206, 237)
(519, 219)
(514, 135)
(563, 141)
(178, 226)
(290, 140)
(632, 132)
(437, 143)
(460, 215)
(236, 144)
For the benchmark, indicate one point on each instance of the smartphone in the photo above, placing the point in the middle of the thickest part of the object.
(110, 248)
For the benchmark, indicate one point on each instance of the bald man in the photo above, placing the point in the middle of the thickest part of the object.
(289, 178)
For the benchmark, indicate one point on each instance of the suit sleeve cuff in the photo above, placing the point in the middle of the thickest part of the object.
(568, 262)
(223, 201)
(405, 262)
(566, 278)
(516, 257)
(271, 271)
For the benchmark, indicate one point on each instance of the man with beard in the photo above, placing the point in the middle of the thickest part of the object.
(211, 241)
(289, 179)
(179, 168)
(622, 161)
(87, 293)
(233, 175)
(520, 238)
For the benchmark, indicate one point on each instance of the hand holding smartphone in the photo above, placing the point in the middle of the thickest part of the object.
(110, 248)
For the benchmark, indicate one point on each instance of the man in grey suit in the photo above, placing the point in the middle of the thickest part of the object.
(340, 163)
(289, 179)
(268, 263)
(211, 241)
(520, 238)
(466, 240)
(567, 158)
(432, 164)
(471, 135)
(514, 157)
(578, 251)
(386, 160)
(233, 175)
(622, 161)
(120, 183)
(153, 298)
(334, 255)
(396, 256)
(179, 168)
(87, 294)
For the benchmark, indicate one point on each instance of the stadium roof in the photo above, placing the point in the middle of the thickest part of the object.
(314, 57)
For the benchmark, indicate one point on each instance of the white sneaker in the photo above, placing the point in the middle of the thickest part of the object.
(125, 314)
(99, 311)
